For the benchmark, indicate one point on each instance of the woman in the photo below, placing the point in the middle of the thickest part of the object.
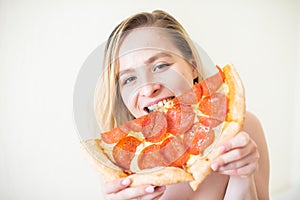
(150, 58)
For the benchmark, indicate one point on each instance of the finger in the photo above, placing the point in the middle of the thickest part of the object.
(240, 140)
(132, 192)
(244, 171)
(155, 196)
(116, 185)
(159, 191)
(235, 155)
(226, 158)
(252, 158)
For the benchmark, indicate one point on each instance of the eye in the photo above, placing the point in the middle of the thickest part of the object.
(160, 67)
(129, 80)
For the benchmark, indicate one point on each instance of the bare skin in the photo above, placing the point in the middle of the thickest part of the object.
(241, 172)
(242, 169)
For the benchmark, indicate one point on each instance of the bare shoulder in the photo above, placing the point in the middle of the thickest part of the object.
(253, 127)
(252, 122)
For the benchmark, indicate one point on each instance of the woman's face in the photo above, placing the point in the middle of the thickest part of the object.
(151, 70)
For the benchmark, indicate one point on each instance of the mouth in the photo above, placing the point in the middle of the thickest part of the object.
(160, 105)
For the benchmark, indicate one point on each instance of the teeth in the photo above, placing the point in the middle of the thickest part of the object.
(161, 106)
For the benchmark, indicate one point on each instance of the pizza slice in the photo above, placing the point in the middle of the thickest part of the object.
(178, 140)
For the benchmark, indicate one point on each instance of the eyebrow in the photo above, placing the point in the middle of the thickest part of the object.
(156, 56)
(148, 61)
(124, 72)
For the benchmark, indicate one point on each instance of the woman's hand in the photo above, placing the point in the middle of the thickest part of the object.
(120, 189)
(239, 156)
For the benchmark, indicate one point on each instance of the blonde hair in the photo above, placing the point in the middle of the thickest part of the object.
(109, 108)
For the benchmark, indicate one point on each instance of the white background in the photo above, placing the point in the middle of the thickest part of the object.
(44, 43)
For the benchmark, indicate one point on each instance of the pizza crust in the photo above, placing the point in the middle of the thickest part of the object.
(161, 177)
(237, 106)
(95, 154)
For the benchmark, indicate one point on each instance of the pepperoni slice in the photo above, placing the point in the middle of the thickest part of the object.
(124, 151)
(180, 118)
(181, 161)
(151, 157)
(214, 106)
(192, 96)
(209, 122)
(113, 136)
(173, 150)
(135, 125)
(170, 153)
(198, 138)
(212, 83)
(155, 128)
(197, 89)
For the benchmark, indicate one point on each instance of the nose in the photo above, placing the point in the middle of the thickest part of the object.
(149, 90)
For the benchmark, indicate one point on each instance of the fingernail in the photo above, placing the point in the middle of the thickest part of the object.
(149, 189)
(214, 166)
(125, 181)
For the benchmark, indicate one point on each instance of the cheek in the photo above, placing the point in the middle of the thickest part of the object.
(177, 86)
(177, 82)
(126, 98)
(129, 99)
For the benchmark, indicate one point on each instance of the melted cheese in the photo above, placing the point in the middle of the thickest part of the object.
(134, 163)
(223, 89)
(108, 149)
(137, 135)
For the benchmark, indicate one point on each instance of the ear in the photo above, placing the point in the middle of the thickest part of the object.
(195, 73)
(194, 68)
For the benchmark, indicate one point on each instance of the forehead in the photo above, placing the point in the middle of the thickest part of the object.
(145, 40)
(143, 57)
